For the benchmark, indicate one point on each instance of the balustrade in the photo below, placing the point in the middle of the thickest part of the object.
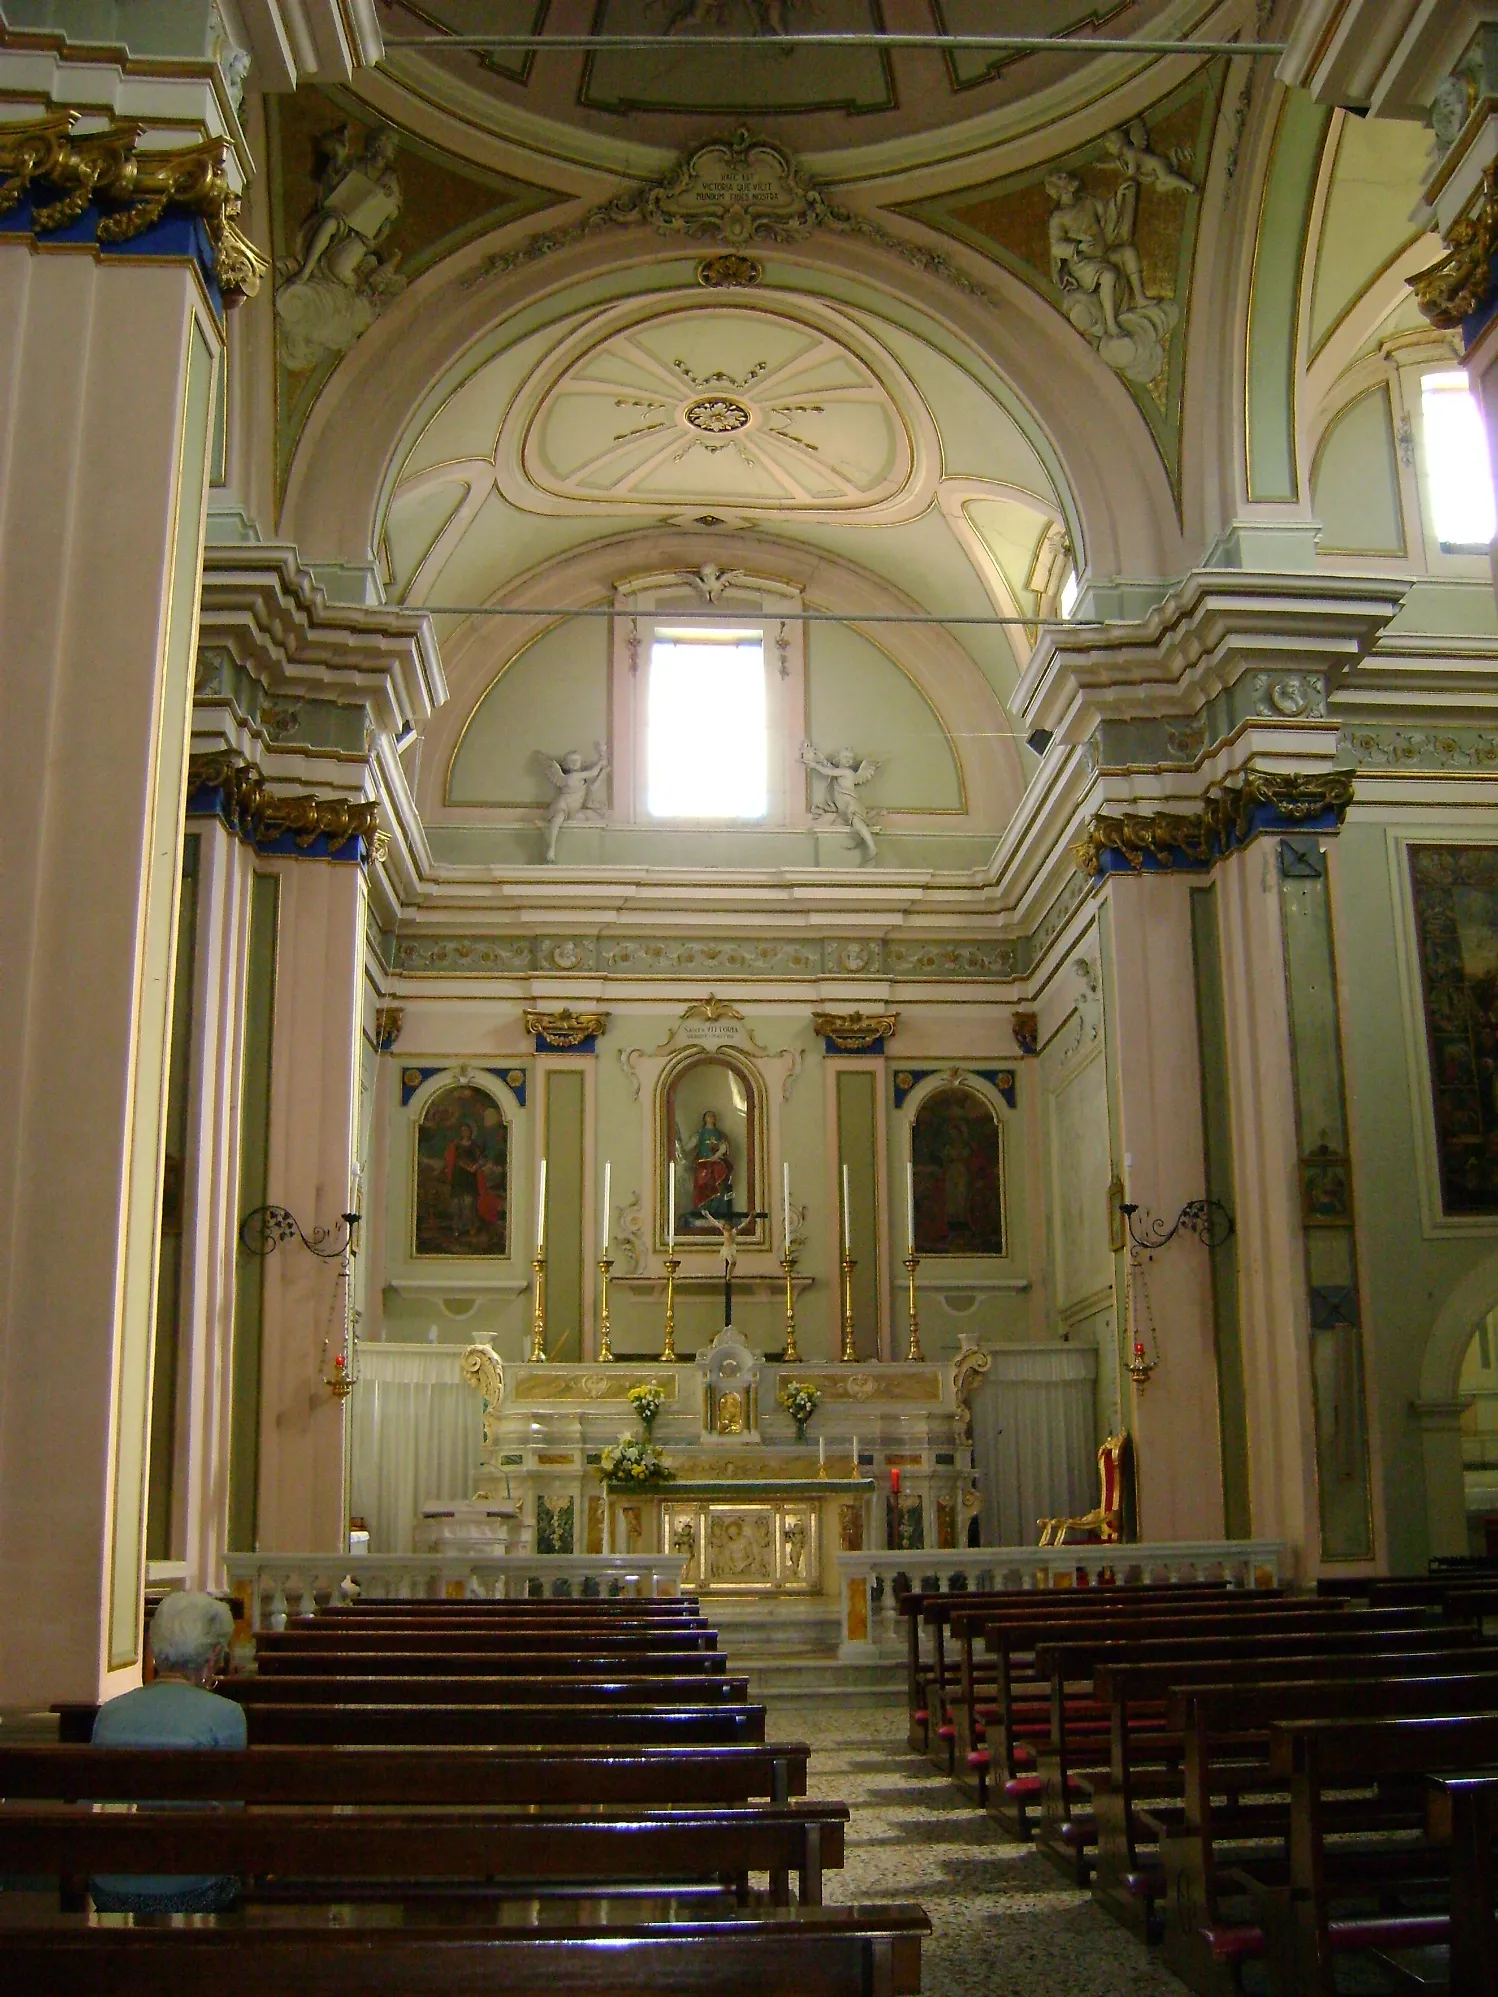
(278, 1586)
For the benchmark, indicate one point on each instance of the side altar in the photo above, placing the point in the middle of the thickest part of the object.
(755, 1509)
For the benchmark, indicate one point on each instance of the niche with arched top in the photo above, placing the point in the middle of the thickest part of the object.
(957, 1151)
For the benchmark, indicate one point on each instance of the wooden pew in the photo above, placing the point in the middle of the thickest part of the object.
(1144, 1797)
(310, 1640)
(1462, 1815)
(334, 1723)
(308, 1952)
(1077, 1743)
(932, 1611)
(497, 1690)
(310, 1852)
(1303, 1932)
(1031, 1712)
(491, 1663)
(436, 1776)
(983, 1690)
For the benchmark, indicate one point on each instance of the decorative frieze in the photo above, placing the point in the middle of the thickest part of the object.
(1432, 749)
(53, 179)
(1170, 841)
(741, 958)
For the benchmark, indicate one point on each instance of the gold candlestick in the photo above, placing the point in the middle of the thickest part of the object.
(790, 1356)
(849, 1353)
(605, 1349)
(668, 1350)
(537, 1353)
(913, 1352)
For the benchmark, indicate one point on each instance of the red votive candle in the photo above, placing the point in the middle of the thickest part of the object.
(894, 1483)
(1138, 1348)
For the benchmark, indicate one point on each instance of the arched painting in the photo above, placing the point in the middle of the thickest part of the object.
(462, 1175)
(957, 1150)
(711, 1113)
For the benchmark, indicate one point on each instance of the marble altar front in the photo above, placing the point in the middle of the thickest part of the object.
(759, 1511)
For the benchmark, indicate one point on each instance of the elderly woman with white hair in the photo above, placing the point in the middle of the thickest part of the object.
(190, 1636)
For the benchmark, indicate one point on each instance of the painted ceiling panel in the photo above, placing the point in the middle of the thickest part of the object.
(1375, 186)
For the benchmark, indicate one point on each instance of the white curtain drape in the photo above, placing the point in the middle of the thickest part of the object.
(417, 1434)
(1034, 1439)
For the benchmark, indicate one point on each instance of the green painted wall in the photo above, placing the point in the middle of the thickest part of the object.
(551, 698)
(858, 1149)
(1274, 302)
(254, 1153)
(1355, 481)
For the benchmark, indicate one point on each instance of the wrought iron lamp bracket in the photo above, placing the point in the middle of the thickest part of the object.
(1208, 1220)
(263, 1230)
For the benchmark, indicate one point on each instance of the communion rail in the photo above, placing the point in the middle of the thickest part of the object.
(277, 1585)
(871, 1584)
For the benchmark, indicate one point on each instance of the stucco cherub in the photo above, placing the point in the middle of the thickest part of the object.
(572, 783)
(1129, 148)
(844, 773)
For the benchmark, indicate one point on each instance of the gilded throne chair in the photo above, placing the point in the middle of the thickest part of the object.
(1105, 1523)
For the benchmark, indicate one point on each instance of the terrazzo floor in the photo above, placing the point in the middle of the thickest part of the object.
(1004, 1924)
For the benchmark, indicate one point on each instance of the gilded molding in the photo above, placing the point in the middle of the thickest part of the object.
(566, 1028)
(711, 1008)
(1175, 839)
(389, 1020)
(1450, 291)
(262, 816)
(855, 1032)
(131, 189)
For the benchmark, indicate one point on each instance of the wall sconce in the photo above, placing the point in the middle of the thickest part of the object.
(1208, 1220)
(264, 1229)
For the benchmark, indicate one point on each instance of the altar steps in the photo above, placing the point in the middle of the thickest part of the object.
(790, 1652)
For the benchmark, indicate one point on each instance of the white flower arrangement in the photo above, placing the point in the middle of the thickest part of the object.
(800, 1402)
(629, 1462)
(647, 1400)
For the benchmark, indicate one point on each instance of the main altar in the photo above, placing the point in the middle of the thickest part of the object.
(755, 1511)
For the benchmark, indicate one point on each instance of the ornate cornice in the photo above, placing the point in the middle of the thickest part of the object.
(1450, 291)
(51, 180)
(855, 1032)
(1176, 841)
(565, 1029)
(316, 827)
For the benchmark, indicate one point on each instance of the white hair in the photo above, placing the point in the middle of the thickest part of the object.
(187, 1629)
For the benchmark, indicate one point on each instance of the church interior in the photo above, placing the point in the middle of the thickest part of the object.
(787, 927)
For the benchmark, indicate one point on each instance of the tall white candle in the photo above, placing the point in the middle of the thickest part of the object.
(541, 1211)
(821, 1452)
(855, 1456)
(785, 1184)
(910, 1206)
(847, 1217)
(608, 1173)
(670, 1212)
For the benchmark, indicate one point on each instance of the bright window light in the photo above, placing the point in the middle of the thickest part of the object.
(707, 741)
(1071, 589)
(1456, 461)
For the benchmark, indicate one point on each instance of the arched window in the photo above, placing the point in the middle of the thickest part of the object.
(461, 1176)
(957, 1150)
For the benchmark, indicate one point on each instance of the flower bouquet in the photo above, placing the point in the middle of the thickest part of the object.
(647, 1400)
(629, 1464)
(800, 1403)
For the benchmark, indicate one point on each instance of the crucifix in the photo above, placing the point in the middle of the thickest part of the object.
(731, 1225)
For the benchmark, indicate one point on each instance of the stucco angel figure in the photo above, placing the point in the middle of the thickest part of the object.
(1130, 150)
(573, 784)
(844, 774)
(1097, 270)
(335, 283)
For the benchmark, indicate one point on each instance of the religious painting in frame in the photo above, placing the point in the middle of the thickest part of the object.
(461, 1176)
(1455, 891)
(957, 1151)
(710, 1143)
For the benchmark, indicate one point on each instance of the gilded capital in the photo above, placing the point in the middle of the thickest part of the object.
(62, 174)
(1166, 841)
(1451, 290)
(565, 1028)
(855, 1032)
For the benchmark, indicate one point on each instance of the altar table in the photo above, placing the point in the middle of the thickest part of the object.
(750, 1536)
